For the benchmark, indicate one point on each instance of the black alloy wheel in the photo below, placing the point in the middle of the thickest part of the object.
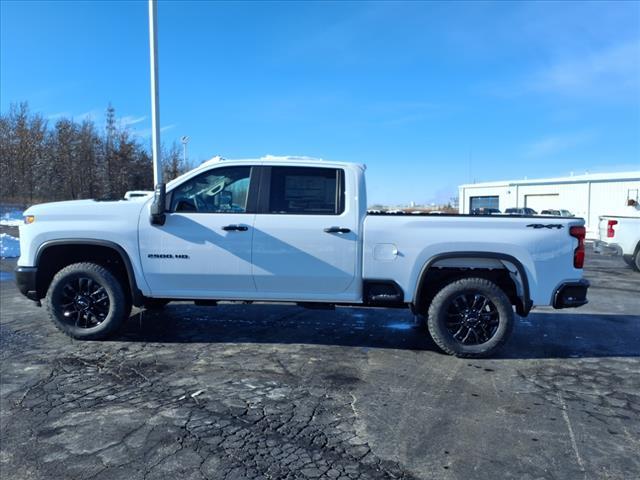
(84, 302)
(472, 319)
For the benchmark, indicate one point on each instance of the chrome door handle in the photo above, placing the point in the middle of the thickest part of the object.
(236, 228)
(337, 230)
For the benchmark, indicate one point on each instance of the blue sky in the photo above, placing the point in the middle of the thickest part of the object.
(428, 95)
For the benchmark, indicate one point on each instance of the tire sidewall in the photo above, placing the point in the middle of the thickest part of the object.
(438, 312)
(117, 300)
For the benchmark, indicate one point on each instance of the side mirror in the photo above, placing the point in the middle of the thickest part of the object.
(158, 207)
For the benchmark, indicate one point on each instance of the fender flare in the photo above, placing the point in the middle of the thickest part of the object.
(525, 305)
(136, 293)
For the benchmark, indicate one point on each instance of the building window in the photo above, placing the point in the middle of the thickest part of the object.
(484, 202)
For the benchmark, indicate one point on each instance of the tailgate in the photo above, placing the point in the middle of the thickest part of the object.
(602, 228)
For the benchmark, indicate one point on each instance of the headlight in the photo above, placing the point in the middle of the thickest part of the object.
(28, 219)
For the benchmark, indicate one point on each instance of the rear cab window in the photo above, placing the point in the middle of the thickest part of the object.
(304, 191)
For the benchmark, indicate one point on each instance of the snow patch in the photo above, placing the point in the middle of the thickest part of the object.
(9, 246)
(11, 218)
(400, 326)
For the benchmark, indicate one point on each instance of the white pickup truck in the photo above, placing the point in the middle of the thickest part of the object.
(295, 230)
(620, 234)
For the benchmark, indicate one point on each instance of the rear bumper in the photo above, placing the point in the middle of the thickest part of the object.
(571, 294)
(605, 248)
(26, 282)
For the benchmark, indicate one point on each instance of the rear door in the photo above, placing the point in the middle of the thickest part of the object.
(306, 234)
(602, 228)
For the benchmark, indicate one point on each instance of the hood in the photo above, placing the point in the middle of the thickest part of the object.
(88, 209)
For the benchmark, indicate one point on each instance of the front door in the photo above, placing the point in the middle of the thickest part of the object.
(305, 240)
(204, 248)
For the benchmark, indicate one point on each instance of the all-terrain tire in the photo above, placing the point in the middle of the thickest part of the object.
(98, 307)
(633, 260)
(629, 260)
(440, 308)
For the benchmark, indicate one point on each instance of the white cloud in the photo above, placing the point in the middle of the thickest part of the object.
(613, 71)
(130, 120)
(553, 144)
(57, 115)
(93, 115)
(146, 132)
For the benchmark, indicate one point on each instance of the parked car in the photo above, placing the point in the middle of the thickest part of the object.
(520, 211)
(557, 213)
(485, 211)
(296, 231)
(620, 235)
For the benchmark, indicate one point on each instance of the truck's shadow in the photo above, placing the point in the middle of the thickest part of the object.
(541, 335)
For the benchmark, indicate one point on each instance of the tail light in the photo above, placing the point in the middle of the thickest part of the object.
(578, 253)
(610, 231)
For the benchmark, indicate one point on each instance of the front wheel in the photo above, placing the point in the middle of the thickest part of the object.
(470, 317)
(87, 302)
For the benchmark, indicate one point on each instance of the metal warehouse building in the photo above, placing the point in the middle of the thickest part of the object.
(587, 196)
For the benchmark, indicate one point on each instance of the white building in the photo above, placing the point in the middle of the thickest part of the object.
(587, 196)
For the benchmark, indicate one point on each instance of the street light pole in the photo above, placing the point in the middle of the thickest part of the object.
(184, 139)
(155, 102)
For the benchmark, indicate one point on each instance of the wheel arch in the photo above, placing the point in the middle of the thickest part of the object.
(72, 250)
(518, 277)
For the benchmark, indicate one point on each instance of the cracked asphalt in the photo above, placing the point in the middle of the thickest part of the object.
(269, 391)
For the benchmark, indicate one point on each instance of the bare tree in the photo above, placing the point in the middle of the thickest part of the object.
(72, 160)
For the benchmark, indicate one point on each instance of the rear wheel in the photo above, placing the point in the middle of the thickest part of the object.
(85, 301)
(471, 317)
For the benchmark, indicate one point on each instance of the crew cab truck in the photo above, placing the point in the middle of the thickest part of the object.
(295, 230)
(620, 235)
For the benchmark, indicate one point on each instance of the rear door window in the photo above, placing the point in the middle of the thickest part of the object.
(306, 190)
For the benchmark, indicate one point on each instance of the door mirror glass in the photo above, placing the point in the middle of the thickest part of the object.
(158, 207)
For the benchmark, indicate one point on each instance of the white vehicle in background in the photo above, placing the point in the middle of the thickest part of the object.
(557, 213)
(620, 235)
(137, 193)
(295, 230)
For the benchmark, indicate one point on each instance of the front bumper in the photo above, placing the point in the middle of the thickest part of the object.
(605, 248)
(26, 282)
(571, 294)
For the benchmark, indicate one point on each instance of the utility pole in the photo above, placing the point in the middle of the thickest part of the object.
(155, 102)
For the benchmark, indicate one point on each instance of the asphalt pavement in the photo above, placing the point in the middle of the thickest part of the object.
(270, 391)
